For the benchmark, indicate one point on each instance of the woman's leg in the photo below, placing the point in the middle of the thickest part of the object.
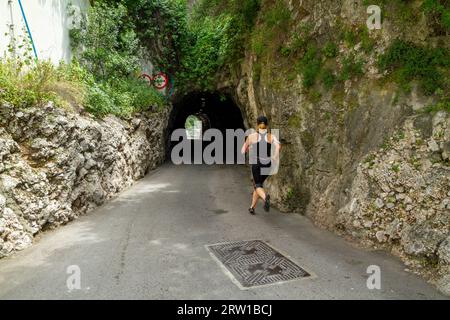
(258, 181)
(254, 199)
(260, 186)
(261, 193)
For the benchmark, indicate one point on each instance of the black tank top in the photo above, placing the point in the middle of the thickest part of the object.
(263, 149)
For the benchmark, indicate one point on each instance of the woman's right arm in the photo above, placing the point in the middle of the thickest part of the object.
(246, 145)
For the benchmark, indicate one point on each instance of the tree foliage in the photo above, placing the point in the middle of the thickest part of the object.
(107, 46)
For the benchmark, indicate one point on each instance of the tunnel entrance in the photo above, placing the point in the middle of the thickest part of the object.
(199, 111)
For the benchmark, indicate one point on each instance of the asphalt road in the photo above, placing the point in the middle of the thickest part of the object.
(149, 243)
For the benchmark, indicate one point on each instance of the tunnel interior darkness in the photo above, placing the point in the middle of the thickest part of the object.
(215, 110)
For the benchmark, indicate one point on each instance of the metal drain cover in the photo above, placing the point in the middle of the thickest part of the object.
(254, 263)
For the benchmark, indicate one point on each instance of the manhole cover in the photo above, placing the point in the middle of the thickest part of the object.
(254, 263)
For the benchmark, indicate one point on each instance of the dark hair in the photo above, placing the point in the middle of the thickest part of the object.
(262, 119)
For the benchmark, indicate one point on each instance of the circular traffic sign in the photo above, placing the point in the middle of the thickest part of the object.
(160, 81)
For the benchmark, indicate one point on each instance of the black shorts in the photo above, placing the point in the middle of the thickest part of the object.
(258, 178)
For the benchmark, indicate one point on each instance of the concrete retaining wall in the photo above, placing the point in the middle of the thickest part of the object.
(49, 23)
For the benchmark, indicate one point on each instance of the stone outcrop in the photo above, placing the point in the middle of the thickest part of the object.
(56, 165)
(344, 163)
(400, 197)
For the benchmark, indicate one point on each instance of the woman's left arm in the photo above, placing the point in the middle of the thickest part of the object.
(277, 145)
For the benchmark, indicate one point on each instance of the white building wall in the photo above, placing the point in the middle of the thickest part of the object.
(49, 23)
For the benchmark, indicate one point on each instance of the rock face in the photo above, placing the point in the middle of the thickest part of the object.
(360, 159)
(412, 178)
(56, 165)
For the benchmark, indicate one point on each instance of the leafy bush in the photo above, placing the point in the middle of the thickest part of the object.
(351, 67)
(439, 10)
(285, 51)
(361, 35)
(406, 12)
(36, 85)
(258, 44)
(122, 97)
(409, 62)
(440, 106)
(141, 95)
(99, 102)
(278, 16)
(108, 50)
(161, 27)
(350, 37)
(247, 11)
(310, 66)
(300, 39)
(212, 45)
(217, 33)
(72, 86)
(330, 50)
(367, 43)
(299, 42)
(328, 78)
(105, 44)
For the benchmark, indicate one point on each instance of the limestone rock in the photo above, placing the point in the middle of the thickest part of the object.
(434, 147)
(422, 239)
(444, 251)
(446, 151)
(66, 165)
(443, 284)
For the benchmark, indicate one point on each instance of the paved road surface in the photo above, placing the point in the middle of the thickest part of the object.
(149, 243)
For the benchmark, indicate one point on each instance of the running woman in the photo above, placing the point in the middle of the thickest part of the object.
(261, 159)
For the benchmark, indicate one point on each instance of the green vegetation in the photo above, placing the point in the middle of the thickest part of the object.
(438, 11)
(367, 43)
(197, 45)
(416, 163)
(290, 193)
(73, 87)
(405, 12)
(213, 44)
(398, 136)
(351, 67)
(265, 39)
(350, 37)
(396, 169)
(122, 97)
(102, 80)
(192, 46)
(370, 160)
(330, 50)
(105, 44)
(411, 62)
(108, 48)
(278, 16)
(310, 65)
(36, 85)
(386, 144)
(328, 79)
(300, 39)
(361, 35)
(440, 106)
(428, 66)
(217, 32)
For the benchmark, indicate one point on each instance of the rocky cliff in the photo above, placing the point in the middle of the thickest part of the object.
(56, 165)
(361, 156)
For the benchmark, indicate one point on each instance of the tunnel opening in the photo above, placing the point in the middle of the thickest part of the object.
(197, 112)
